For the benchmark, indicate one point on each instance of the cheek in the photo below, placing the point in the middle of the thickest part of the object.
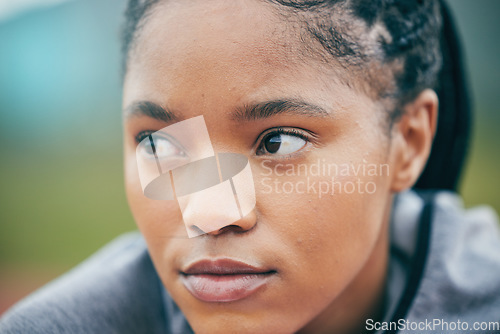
(322, 232)
(325, 243)
(329, 219)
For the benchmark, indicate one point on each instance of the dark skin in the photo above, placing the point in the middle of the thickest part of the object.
(330, 254)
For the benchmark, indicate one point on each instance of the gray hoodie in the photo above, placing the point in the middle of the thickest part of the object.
(444, 277)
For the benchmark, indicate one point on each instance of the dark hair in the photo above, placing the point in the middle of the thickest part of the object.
(398, 46)
(134, 16)
(393, 44)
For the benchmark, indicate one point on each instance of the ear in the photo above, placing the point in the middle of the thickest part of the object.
(412, 138)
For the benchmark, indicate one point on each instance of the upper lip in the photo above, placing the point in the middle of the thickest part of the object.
(223, 267)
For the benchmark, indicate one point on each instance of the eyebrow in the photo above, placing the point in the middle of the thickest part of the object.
(251, 112)
(268, 109)
(152, 110)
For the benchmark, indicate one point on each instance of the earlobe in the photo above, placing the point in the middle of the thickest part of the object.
(412, 139)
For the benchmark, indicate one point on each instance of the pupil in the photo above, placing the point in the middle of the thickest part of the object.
(273, 143)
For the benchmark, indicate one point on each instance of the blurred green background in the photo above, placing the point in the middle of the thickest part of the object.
(61, 179)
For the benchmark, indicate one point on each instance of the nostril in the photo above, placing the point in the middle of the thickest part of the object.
(196, 231)
(233, 228)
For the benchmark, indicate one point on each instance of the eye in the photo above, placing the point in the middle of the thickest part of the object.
(282, 142)
(151, 144)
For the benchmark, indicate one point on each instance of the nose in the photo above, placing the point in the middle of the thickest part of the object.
(215, 210)
(242, 225)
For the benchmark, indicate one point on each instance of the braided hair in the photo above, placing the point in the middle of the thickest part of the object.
(398, 47)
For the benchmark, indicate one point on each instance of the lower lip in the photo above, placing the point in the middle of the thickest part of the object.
(223, 288)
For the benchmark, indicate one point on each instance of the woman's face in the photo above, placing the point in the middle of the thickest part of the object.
(312, 253)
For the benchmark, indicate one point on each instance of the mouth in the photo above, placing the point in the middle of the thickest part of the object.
(224, 280)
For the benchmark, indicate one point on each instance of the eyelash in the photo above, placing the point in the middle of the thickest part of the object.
(143, 134)
(274, 131)
(278, 131)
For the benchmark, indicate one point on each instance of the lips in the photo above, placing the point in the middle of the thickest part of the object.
(224, 280)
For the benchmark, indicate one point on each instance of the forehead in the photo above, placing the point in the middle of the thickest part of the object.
(231, 49)
(226, 30)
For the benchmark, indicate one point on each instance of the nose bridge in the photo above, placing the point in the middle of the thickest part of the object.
(213, 190)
